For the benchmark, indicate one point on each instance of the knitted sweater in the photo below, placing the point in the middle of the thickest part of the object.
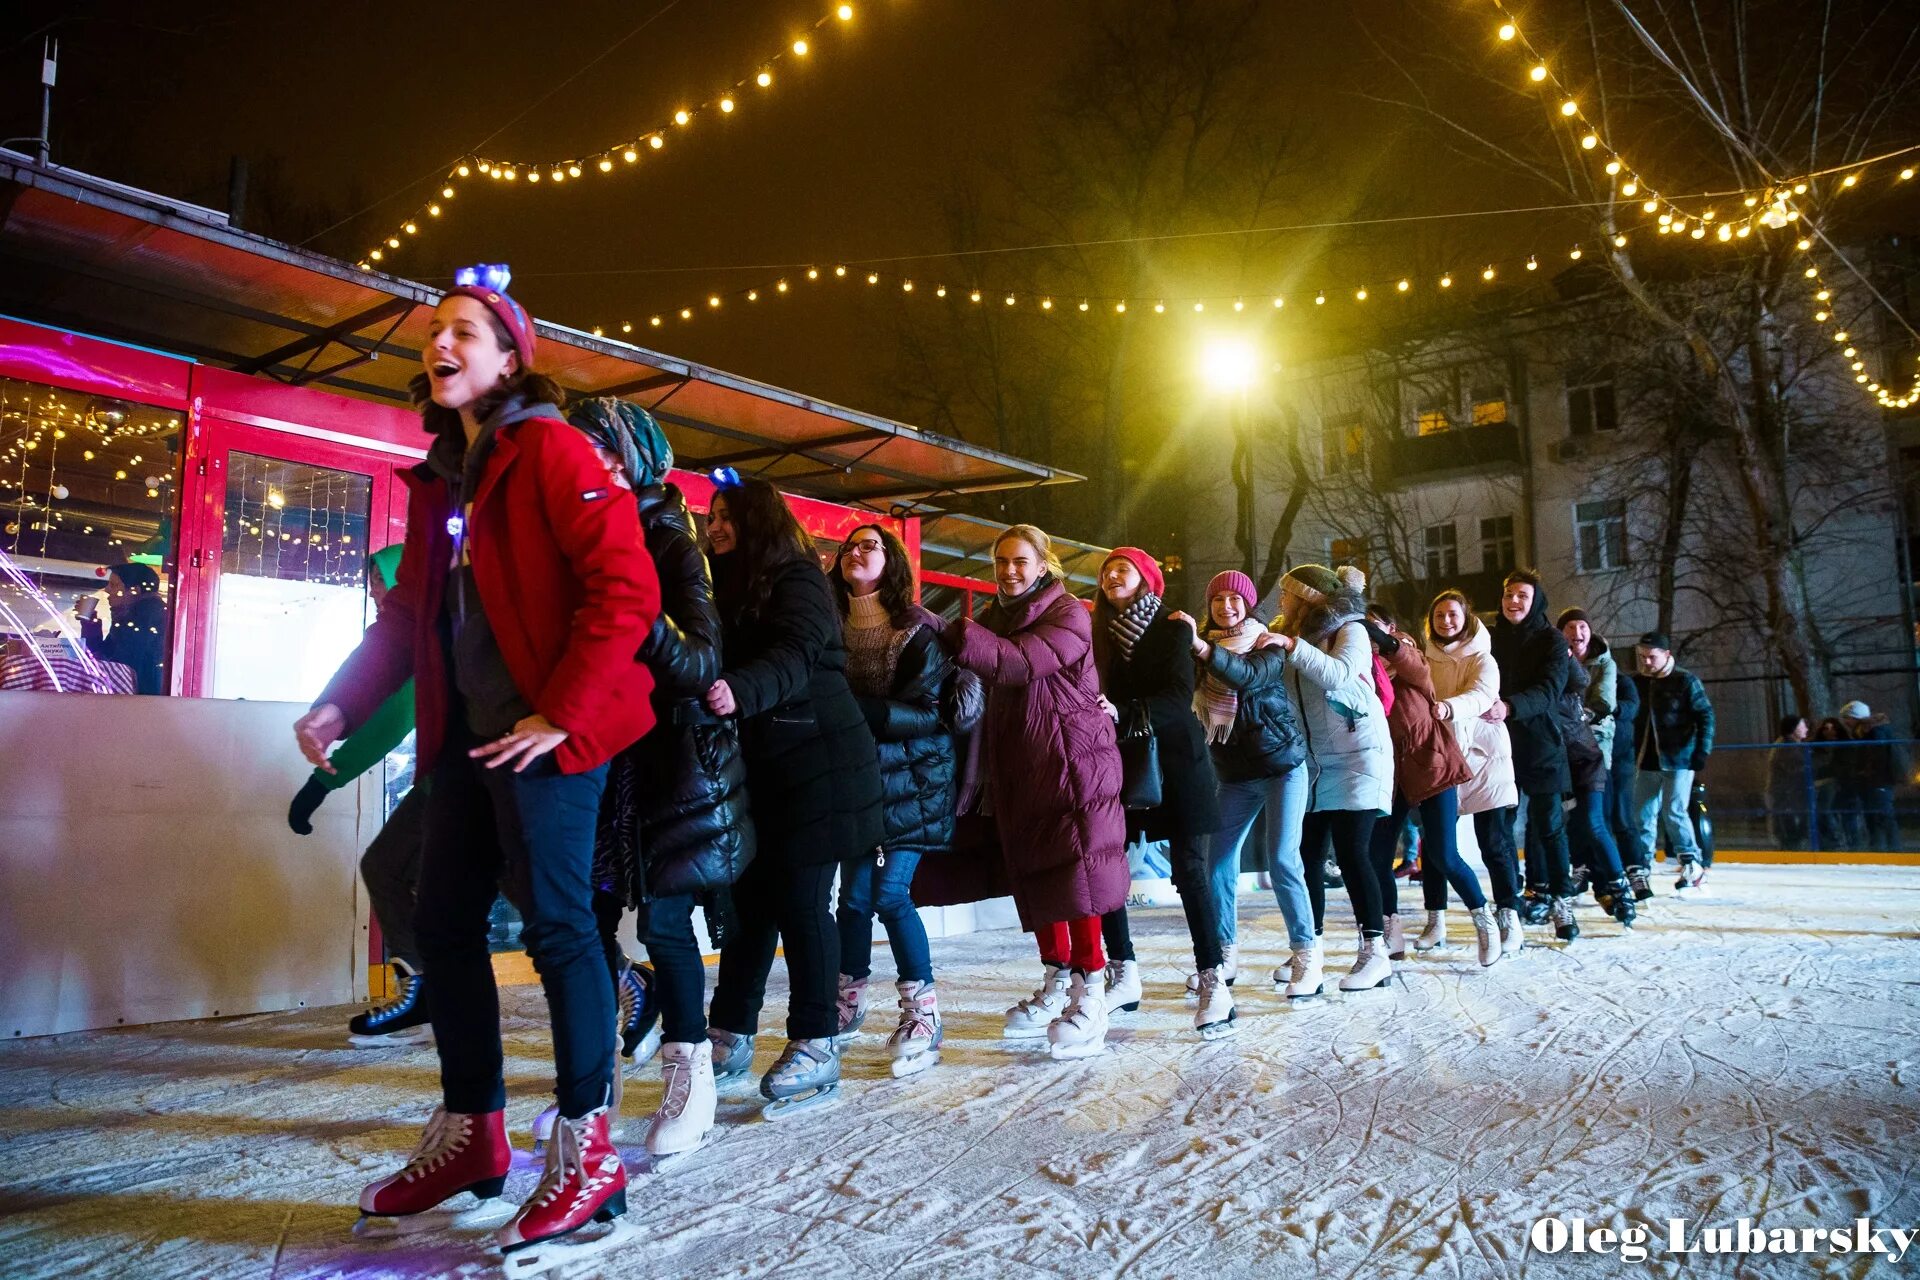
(873, 646)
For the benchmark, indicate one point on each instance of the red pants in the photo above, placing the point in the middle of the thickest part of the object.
(1072, 944)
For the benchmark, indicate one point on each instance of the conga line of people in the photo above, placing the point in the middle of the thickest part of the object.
(610, 719)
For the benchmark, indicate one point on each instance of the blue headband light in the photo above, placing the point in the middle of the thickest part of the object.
(725, 478)
(487, 275)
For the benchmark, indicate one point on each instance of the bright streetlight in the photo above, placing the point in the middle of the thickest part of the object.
(1227, 364)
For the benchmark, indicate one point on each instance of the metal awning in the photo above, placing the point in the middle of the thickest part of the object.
(963, 545)
(97, 257)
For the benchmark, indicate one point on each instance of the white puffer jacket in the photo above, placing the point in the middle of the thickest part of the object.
(1349, 750)
(1466, 679)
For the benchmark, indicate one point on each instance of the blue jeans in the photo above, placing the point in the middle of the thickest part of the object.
(1622, 818)
(1660, 798)
(1284, 801)
(1440, 862)
(868, 890)
(534, 832)
(1591, 840)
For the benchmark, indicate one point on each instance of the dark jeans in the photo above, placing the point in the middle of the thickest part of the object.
(1623, 816)
(534, 831)
(775, 904)
(1493, 831)
(1591, 841)
(1440, 863)
(1870, 820)
(1548, 867)
(868, 890)
(665, 928)
(1351, 831)
(391, 869)
(1193, 878)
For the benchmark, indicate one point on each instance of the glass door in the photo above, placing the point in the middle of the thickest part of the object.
(283, 527)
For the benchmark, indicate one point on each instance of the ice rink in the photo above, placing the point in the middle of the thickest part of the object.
(1755, 1053)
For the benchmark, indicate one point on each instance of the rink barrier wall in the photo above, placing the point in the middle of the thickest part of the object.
(147, 872)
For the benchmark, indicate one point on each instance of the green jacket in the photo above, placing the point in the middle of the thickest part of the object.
(387, 727)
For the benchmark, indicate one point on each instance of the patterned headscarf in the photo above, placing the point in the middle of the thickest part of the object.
(630, 434)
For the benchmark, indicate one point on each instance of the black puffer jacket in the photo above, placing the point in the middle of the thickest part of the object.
(1159, 673)
(1265, 740)
(1586, 766)
(1534, 665)
(916, 751)
(673, 818)
(812, 768)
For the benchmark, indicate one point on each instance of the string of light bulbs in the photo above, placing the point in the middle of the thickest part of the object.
(1825, 302)
(619, 157)
(1771, 206)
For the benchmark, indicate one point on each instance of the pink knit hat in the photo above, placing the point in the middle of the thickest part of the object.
(1149, 571)
(1237, 582)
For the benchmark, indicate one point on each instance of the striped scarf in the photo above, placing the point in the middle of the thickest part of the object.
(1131, 622)
(1214, 702)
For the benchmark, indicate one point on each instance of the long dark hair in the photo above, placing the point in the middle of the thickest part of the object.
(530, 385)
(766, 535)
(896, 579)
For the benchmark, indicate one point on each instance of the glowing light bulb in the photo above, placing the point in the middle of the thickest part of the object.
(1589, 142)
(1446, 282)
(1320, 299)
(1575, 255)
(1649, 206)
(1620, 241)
(764, 79)
(654, 321)
(446, 193)
(844, 13)
(781, 286)
(1850, 180)
(726, 105)
(1629, 189)
(753, 295)
(606, 165)
(940, 292)
(975, 295)
(906, 286)
(840, 271)
(1360, 294)
(1508, 31)
(1278, 303)
(681, 116)
(1569, 108)
(1404, 285)
(713, 300)
(1538, 74)
(1487, 274)
(629, 155)
(433, 211)
(1120, 308)
(1613, 167)
(656, 142)
(873, 277)
(800, 48)
(1906, 175)
(463, 171)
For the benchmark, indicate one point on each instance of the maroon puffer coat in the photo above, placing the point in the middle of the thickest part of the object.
(1426, 759)
(1052, 767)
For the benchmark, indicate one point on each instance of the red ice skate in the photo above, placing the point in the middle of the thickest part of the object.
(584, 1183)
(460, 1153)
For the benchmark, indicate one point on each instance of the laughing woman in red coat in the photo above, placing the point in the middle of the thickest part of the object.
(523, 593)
(1052, 786)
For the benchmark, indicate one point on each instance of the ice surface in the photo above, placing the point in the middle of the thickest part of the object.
(1749, 1054)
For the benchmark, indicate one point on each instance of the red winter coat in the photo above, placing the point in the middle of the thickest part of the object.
(1052, 766)
(564, 578)
(1426, 759)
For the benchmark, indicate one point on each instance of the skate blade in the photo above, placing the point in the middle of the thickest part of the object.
(787, 1108)
(1219, 1030)
(410, 1038)
(562, 1251)
(914, 1064)
(666, 1161)
(484, 1216)
(1023, 1033)
(1318, 993)
(1076, 1052)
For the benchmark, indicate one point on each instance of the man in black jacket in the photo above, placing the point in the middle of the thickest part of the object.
(1673, 736)
(1534, 666)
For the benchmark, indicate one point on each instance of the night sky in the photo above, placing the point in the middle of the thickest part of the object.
(855, 153)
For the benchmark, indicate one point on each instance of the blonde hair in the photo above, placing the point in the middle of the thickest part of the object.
(1037, 539)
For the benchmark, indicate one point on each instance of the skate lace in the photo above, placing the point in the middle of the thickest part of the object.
(1209, 984)
(679, 1085)
(565, 1163)
(400, 1002)
(1297, 967)
(445, 1138)
(628, 998)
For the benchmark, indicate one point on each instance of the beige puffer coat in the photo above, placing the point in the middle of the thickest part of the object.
(1466, 679)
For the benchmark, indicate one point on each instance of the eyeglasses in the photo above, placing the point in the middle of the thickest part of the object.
(866, 546)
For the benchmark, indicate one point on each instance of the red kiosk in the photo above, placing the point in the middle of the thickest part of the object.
(231, 411)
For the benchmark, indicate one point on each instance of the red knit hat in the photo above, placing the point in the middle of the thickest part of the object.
(1237, 582)
(487, 284)
(1149, 571)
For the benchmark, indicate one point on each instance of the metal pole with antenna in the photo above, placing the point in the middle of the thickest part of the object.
(49, 70)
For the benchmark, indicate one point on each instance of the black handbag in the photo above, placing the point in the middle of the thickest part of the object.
(1141, 783)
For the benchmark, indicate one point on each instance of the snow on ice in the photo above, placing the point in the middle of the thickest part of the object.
(1746, 1055)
